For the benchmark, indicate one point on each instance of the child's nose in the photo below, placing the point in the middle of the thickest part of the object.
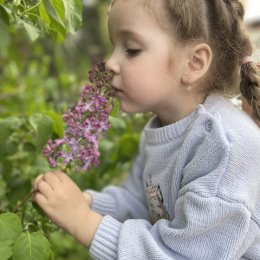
(112, 65)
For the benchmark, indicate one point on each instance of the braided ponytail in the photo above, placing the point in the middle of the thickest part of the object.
(220, 24)
(250, 87)
(249, 72)
(241, 47)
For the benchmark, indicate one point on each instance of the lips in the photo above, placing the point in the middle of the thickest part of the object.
(117, 91)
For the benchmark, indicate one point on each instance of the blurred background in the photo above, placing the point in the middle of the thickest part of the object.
(45, 56)
(44, 63)
(252, 21)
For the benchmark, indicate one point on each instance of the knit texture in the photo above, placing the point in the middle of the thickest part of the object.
(193, 192)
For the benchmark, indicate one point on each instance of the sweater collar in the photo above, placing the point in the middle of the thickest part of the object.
(156, 133)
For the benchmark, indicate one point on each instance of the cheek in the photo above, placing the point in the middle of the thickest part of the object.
(134, 75)
(149, 72)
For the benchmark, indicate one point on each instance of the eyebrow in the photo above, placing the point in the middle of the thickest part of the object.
(128, 32)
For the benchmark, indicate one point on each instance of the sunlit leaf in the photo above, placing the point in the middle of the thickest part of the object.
(31, 246)
(53, 23)
(73, 14)
(43, 14)
(32, 31)
(58, 125)
(10, 228)
(56, 10)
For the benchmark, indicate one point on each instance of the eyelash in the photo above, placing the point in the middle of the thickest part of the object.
(132, 52)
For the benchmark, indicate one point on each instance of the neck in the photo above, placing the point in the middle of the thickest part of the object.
(184, 107)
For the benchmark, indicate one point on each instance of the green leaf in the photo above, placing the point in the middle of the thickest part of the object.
(32, 31)
(51, 256)
(56, 10)
(55, 25)
(4, 36)
(43, 14)
(2, 1)
(5, 252)
(42, 125)
(73, 14)
(128, 146)
(2, 189)
(31, 246)
(11, 227)
(7, 127)
(58, 126)
(4, 14)
(6, 167)
(11, 148)
(117, 122)
(21, 186)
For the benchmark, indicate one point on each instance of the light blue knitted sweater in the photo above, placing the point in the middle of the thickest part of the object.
(193, 193)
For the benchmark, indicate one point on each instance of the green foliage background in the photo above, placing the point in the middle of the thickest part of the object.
(46, 50)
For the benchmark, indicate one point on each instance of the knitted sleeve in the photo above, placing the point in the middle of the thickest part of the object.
(125, 201)
(215, 205)
(198, 232)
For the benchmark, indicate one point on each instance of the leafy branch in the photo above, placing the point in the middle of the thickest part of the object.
(56, 17)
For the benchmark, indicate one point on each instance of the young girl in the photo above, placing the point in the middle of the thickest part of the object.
(194, 189)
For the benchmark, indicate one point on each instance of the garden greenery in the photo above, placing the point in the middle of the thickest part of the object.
(38, 84)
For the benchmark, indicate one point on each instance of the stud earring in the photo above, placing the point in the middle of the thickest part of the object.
(189, 88)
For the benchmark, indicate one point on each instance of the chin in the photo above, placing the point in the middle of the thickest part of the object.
(130, 110)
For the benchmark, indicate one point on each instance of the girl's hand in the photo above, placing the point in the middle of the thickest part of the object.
(66, 206)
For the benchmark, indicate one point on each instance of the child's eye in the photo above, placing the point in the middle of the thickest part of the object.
(132, 52)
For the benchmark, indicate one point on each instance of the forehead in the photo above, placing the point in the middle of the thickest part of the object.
(154, 8)
(129, 4)
(129, 13)
(130, 20)
(146, 2)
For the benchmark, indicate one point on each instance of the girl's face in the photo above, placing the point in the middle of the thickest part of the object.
(144, 60)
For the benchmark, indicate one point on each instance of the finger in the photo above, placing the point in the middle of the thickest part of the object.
(62, 176)
(40, 199)
(44, 188)
(35, 183)
(52, 179)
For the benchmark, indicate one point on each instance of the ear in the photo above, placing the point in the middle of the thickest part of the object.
(198, 62)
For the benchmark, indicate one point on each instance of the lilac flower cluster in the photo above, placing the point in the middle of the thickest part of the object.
(86, 124)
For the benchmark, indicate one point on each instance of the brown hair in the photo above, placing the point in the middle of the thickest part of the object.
(219, 23)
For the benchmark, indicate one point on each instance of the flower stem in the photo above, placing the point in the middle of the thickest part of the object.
(21, 202)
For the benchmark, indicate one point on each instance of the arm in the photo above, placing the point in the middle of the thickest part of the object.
(64, 203)
(201, 229)
(204, 228)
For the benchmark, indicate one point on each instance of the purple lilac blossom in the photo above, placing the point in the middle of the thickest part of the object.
(85, 124)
